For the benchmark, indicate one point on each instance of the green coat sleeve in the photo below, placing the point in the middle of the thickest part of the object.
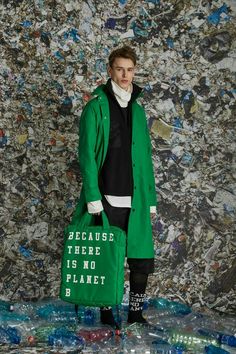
(87, 161)
(150, 171)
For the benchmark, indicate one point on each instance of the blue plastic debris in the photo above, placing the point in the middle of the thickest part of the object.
(173, 307)
(187, 54)
(186, 159)
(215, 17)
(187, 96)
(9, 335)
(177, 123)
(64, 337)
(66, 106)
(26, 23)
(223, 338)
(59, 56)
(155, 2)
(212, 349)
(45, 38)
(72, 33)
(110, 23)
(170, 43)
(122, 2)
(25, 252)
(27, 108)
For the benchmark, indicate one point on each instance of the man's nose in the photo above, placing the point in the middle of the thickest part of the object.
(124, 73)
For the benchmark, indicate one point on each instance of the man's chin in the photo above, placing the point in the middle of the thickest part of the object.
(124, 86)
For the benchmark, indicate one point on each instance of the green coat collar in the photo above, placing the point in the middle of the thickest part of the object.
(99, 91)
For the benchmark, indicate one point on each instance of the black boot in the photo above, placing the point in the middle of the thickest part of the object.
(138, 283)
(107, 317)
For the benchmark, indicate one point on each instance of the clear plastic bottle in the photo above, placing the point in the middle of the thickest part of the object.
(8, 316)
(167, 307)
(53, 310)
(214, 322)
(87, 315)
(162, 346)
(4, 306)
(191, 340)
(23, 308)
(30, 332)
(229, 324)
(162, 318)
(56, 311)
(135, 344)
(212, 349)
(43, 331)
(223, 338)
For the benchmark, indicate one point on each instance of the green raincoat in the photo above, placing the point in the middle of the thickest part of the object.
(93, 143)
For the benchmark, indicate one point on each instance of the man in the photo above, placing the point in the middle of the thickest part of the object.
(117, 172)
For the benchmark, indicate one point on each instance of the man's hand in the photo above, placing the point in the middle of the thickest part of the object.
(95, 207)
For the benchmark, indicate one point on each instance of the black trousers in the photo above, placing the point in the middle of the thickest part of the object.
(120, 217)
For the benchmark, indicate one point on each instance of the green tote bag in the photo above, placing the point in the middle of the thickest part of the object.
(92, 267)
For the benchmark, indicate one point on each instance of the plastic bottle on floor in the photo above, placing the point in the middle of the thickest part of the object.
(191, 340)
(23, 308)
(43, 331)
(4, 306)
(56, 311)
(8, 316)
(223, 338)
(212, 349)
(167, 307)
(62, 337)
(9, 335)
(162, 346)
(95, 334)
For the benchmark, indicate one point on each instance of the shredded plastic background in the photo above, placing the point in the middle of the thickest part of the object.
(53, 54)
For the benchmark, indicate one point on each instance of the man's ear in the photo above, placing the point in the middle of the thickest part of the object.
(109, 70)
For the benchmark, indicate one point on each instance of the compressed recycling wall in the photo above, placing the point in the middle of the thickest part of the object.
(53, 54)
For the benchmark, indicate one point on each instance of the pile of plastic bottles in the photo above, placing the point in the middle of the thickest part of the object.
(52, 326)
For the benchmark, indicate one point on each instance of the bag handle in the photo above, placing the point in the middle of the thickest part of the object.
(86, 220)
(105, 220)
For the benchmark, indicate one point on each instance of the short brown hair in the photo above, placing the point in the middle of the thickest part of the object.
(123, 52)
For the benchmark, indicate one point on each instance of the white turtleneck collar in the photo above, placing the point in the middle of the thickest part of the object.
(123, 97)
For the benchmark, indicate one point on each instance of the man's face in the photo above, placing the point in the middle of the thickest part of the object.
(122, 72)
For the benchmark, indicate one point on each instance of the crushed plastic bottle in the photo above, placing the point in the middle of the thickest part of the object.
(5, 306)
(95, 334)
(167, 307)
(57, 312)
(223, 338)
(9, 335)
(162, 346)
(43, 331)
(212, 349)
(191, 340)
(87, 316)
(7, 316)
(215, 17)
(62, 337)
